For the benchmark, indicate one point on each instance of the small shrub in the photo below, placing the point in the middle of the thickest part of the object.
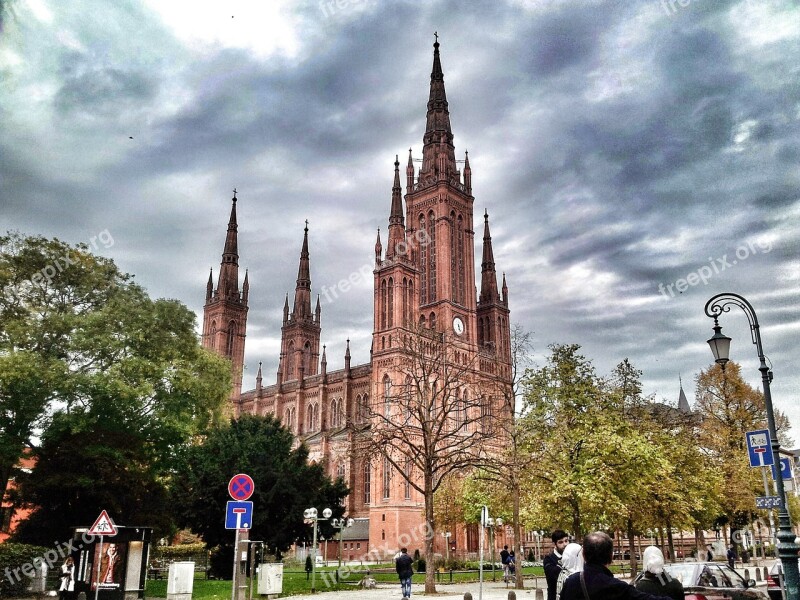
(420, 566)
(531, 556)
(221, 562)
(416, 555)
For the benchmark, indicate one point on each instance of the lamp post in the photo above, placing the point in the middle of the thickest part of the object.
(310, 514)
(491, 522)
(341, 524)
(446, 535)
(720, 347)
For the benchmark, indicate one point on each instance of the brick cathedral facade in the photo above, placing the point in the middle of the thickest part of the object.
(424, 276)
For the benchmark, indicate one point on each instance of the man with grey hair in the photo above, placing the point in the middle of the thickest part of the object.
(596, 582)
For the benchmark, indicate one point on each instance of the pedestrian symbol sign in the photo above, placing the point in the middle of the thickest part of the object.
(759, 448)
(103, 525)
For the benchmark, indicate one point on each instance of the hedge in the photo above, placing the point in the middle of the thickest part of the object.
(19, 556)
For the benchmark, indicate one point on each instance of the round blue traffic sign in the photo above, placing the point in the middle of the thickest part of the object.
(241, 487)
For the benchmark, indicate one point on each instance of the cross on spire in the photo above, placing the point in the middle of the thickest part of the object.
(234, 194)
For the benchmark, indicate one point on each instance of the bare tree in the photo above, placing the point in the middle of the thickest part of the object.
(433, 416)
(507, 466)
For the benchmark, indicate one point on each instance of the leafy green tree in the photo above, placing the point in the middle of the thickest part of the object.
(81, 343)
(285, 484)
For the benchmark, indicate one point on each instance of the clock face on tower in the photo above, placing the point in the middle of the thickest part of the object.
(458, 325)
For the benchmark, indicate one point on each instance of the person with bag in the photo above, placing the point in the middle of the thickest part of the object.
(596, 582)
(571, 562)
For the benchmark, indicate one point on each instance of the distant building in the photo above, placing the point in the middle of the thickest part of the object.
(425, 276)
(11, 515)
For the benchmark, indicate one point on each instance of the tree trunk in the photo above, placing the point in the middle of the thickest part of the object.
(631, 546)
(520, 584)
(430, 570)
(671, 541)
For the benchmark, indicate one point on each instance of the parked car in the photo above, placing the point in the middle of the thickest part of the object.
(713, 581)
(774, 581)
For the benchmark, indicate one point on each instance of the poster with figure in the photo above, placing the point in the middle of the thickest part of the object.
(111, 557)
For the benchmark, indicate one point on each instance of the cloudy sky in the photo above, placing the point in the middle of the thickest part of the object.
(620, 146)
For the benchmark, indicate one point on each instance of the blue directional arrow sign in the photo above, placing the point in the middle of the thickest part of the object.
(759, 448)
(786, 468)
(239, 515)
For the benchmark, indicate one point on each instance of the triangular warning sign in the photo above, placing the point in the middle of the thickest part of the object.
(103, 525)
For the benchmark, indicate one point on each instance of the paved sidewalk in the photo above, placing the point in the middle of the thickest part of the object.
(491, 591)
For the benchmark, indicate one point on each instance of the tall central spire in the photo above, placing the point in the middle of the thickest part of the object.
(302, 294)
(438, 152)
(228, 283)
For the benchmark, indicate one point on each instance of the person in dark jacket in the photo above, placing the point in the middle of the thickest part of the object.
(655, 580)
(403, 567)
(599, 581)
(731, 556)
(552, 562)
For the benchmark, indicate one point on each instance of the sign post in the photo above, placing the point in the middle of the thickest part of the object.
(239, 516)
(103, 525)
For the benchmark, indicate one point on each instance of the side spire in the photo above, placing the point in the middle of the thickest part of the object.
(488, 273)
(683, 403)
(228, 283)
(397, 229)
(378, 249)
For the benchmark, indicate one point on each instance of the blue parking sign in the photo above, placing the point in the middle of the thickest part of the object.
(759, 448)
(786, 468)
(239, 515)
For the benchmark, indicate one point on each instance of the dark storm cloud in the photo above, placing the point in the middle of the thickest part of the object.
(616, 145)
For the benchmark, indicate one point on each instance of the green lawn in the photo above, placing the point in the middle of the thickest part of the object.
(295, 582)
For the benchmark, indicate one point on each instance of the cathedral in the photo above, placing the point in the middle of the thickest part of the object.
(424, 277)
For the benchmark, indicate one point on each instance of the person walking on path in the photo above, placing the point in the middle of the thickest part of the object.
(404, 570)
(571, 562)
(654, 580)
(552, 562)
(596, 582)
(504, 562)
(731, 556)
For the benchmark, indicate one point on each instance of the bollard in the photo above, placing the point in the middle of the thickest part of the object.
(766, 574)
(539, 594)
(758, 575)
(746, 574)
(467, 596)
(512, 595)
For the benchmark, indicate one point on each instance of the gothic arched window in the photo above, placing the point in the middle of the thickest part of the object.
(383, 304)
(423, 263)
(290, 362)
(390, 303)
(431, 257)
(213, 334)
(231, 338)
(461, 267)
(387, 478)
(367, 482)
(387, 398)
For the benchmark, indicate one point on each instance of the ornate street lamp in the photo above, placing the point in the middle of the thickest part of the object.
(310, 514)
(446, 535)
(341, 524)
(490, 524)
(720, 346)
